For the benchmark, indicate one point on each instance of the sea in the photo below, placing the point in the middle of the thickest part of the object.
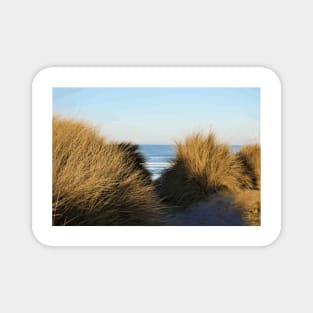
(159, 157)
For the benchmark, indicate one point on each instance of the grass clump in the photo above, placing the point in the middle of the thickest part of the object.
(249, 204)
(250, 156)
(96, 182)
(202, 167)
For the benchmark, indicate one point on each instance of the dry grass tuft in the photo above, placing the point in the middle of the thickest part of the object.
(96, 182)
(250, 156)
(138, 158)
(202, 167)
(249, 204)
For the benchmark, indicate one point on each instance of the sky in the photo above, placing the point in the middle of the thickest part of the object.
(164, 115)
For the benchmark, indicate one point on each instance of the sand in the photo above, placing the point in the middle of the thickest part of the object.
(217, 211)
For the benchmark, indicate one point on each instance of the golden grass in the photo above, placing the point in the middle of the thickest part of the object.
(96, 182)
(203, 166)
(249, 204)
(250, 156)
(137, 157)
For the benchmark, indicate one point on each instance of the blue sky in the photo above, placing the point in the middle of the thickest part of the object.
(164, 115)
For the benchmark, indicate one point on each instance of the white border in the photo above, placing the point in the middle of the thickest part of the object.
(260, 77)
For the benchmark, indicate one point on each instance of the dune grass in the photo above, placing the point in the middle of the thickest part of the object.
(138, 158)
(250, 156)
(249, 204)
(203, 166)
(99, 182)
(96, 182)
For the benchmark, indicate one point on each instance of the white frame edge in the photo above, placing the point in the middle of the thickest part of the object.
(261, 77)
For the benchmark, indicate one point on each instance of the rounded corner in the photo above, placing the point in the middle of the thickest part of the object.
(42, 73)
(38, 239)
(273, 74)
(274, 238)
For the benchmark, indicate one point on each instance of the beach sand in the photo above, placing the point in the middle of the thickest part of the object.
(219, 210)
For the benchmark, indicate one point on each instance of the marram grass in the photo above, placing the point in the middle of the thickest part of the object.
(96, 182)
(250, 156)
(203, 166)
(249, 204)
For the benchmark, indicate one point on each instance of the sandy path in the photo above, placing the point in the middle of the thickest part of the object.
(218, 211)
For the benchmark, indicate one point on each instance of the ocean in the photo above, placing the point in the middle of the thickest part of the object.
(158, 157)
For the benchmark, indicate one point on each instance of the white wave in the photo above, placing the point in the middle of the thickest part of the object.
(157, 164)
(155, 176)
